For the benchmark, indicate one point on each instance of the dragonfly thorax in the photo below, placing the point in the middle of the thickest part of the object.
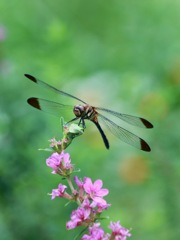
(84, 111)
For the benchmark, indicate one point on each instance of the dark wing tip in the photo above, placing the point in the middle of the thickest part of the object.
(34, 103)
(146, 123)
(30, 77)
(144, 146)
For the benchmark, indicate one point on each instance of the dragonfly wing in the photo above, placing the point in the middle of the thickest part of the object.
(49, 106)
(46, 85)
(125, 135)
(136, 121)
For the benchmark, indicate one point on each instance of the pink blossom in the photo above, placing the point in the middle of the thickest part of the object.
(54, 160)
(78, 182)
(95, 191)
(66, 161)
(59, 192)
(80, 186)
(95, 233)
(86, 204)
(77, 217)
(101, 206)
(60, 163)
(54, 143)
(118, 231)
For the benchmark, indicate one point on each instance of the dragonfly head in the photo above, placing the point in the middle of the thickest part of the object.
(78, 110)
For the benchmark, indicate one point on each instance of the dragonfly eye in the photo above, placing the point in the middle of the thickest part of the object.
(78, 110)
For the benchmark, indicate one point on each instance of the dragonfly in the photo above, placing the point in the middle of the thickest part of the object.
(83, 111)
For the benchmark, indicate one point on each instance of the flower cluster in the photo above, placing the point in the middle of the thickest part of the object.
(97, 233)
(91, 201)
(88, 195)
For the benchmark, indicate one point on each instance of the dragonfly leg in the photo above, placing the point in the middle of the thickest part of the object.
(82, 122)
(72, 120)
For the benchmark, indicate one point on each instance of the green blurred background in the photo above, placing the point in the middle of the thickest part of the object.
(119, 54)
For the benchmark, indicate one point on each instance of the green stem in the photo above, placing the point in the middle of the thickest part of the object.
(72, 189)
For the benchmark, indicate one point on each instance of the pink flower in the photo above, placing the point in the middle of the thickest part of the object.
(78, 182)
(59, 192)
(60, 163)
(95, 233)
(77, 217)
(118, 231)
(54, 160)
(54, 143)
(66, 161)
(80, 186)
(101, 206)
(95, 191)
(86, 204)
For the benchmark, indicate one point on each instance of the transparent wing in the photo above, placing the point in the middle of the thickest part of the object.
(49, 106)
(124, 135)
(136, 121)
(51, 88)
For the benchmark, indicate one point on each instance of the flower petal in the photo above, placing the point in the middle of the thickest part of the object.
(98, 184)
(103, 192)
